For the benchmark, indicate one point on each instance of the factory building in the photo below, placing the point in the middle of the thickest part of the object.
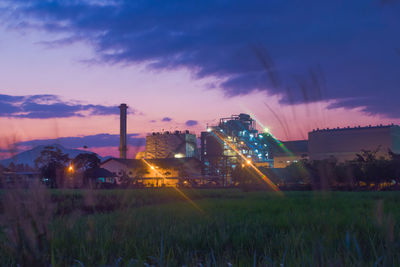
(168, 172)
(344, 143)
(171, 145)
(235, 140)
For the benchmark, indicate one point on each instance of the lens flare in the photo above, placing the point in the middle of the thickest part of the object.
(280, 144)
(231, 145)
(154, 168)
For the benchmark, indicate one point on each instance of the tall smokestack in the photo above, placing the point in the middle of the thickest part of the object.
(122, 144)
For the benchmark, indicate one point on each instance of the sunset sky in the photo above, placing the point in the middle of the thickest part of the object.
(295, 65)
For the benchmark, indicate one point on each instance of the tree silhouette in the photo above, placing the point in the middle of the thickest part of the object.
(86, 163)
(52, 163)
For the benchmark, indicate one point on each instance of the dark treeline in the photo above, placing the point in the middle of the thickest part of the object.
(55, 169)
(365, 172)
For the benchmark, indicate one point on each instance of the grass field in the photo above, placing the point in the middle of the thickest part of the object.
(221, 228)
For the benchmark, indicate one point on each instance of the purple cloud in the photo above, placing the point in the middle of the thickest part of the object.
(90, 141)
(227, 40)
(49, 106)
(191, 123)
(166, 119)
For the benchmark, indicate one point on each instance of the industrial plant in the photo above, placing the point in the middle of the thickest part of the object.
(175, 159)
(235, 140)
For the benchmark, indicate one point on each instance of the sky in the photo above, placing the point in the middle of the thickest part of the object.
(293, 65)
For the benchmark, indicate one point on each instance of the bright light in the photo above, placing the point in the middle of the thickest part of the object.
(248, 161)
(152, 167)
(70, 168)
(177, 190)
(266, 130)
(179, 156)
(209, 130)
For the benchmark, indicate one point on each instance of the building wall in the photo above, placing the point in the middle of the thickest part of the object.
(216, 160)
(396, 139)
(167, 145)
(345, 143)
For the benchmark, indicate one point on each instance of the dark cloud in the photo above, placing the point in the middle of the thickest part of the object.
(352, 42)
(91, 141)
(191, 123)
(49, 106)
(166, 119)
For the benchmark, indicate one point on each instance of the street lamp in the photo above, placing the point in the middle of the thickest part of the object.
(70, 168)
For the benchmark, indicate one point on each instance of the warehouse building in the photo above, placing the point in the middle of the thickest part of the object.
(344, 143)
